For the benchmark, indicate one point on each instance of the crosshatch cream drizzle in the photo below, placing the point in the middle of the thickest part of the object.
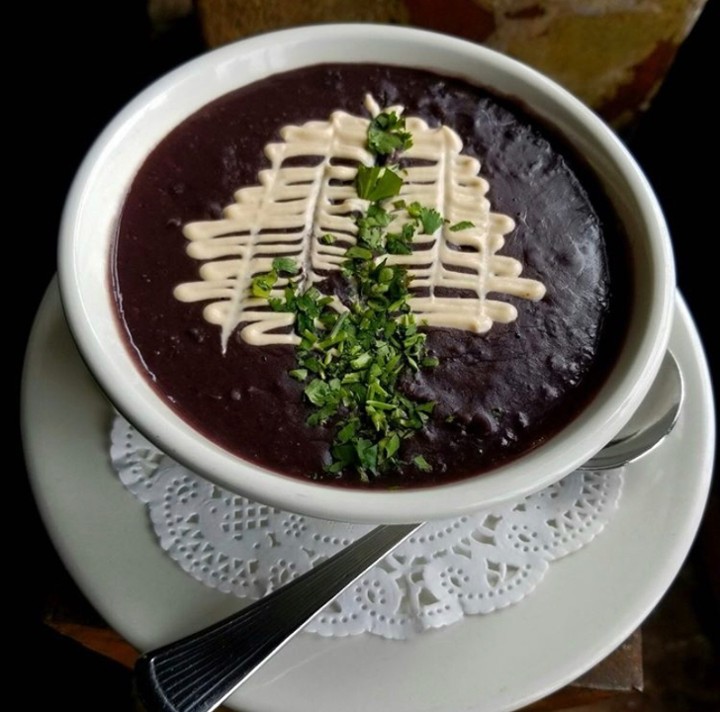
(294, 206)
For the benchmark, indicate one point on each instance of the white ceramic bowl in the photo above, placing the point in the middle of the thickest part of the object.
(94, 202)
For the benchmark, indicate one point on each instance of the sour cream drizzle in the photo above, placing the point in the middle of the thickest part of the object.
(294, 206)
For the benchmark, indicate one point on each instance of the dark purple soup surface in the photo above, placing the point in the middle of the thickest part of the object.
(497, 394)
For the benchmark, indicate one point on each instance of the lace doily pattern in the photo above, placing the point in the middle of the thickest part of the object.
(446, 570)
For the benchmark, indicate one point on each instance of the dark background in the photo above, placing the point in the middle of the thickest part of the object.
(94, 57)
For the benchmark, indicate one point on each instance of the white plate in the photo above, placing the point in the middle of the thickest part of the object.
(585, 607)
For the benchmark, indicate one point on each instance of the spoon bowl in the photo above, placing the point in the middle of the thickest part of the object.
(651, 422)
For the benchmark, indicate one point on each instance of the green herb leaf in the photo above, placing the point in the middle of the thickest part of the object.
(262, 284)
(386, 134)
(376, 183)
(429, 218)
(318, 392)
(462, 225)
(285, 265)
(367, 454)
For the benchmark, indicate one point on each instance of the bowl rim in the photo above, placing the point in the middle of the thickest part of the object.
(278, 51)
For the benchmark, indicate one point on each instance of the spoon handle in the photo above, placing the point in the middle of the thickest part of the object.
(196, 673)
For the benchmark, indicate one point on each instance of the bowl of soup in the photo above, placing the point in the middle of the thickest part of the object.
(367, 273)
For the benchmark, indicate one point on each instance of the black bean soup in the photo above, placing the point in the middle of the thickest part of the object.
(498, 394)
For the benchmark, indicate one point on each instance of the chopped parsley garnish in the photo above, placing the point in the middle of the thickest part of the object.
(262, 284)
(352, 357)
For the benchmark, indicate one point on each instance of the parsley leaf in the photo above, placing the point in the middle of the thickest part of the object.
(386, 134)
(462, 225)
(376, 183)
(262, 284)
(285, 265)
(429, 218)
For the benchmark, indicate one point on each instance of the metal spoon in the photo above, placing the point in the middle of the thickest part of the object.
(197, 673)
(652, 421)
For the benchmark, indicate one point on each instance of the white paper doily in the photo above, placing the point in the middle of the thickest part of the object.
(448, 569)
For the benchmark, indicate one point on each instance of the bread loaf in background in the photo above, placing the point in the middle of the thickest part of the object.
(612, 54)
